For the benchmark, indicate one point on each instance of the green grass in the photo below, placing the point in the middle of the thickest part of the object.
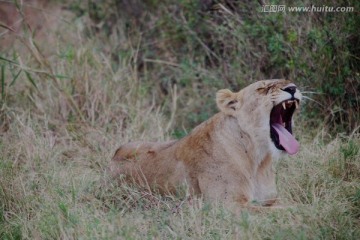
(69, 99)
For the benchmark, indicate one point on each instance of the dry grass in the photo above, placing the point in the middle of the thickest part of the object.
(57, 139)
(51, 187)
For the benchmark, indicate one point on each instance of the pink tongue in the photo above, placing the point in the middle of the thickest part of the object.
(287, 141)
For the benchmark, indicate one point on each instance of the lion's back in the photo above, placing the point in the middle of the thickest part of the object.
(133, 150)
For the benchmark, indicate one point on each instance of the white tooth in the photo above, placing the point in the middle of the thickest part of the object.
(284, 105)
(296, 104)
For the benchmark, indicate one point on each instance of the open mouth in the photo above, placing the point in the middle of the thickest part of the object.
(280, 126)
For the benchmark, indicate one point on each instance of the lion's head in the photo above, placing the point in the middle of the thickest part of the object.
(265, 111)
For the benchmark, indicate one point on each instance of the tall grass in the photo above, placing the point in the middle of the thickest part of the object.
(68, 101)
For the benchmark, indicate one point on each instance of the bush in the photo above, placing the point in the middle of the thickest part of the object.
(204, 45)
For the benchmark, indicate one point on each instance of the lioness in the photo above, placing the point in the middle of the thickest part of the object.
(228, 157)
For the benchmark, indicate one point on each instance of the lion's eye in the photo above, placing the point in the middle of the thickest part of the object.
(263, 90)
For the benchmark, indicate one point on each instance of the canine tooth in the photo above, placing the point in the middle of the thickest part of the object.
(284, 105)
(296, 104)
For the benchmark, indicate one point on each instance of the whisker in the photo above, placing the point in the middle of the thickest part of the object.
(308, 98)
(311, 92)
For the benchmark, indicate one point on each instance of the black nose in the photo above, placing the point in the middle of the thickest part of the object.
(290, 90)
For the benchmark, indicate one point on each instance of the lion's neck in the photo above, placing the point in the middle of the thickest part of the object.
(239, 138)
(226, 136)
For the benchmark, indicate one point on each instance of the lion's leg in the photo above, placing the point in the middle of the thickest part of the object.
(265, 188)
(230, 189)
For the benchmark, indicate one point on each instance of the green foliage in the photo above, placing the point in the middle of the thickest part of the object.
(202, 46)
(235, 43)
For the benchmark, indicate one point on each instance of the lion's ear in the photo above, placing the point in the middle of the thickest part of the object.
(227, 101)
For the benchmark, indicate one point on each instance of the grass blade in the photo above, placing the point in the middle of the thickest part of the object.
(14, 79)
(2, 81)
(59, 76)
(7, 60)
(6, 27)
(28, 75)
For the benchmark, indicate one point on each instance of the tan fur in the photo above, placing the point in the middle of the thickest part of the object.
(228, 157)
